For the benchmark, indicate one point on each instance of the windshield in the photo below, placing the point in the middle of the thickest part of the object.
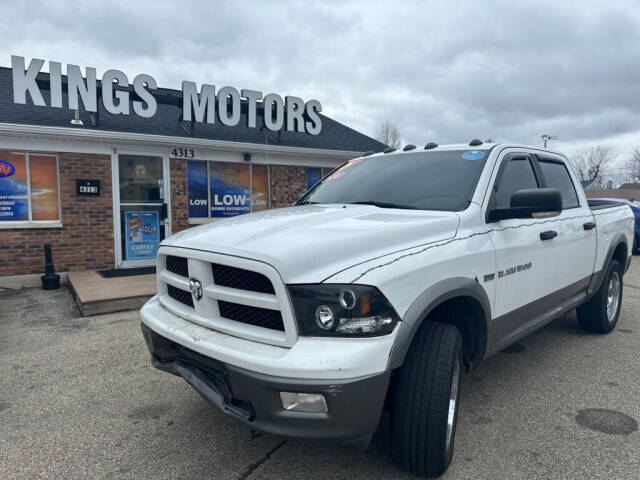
(442, 180)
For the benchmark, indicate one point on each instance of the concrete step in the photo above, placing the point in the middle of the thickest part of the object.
(97, 295)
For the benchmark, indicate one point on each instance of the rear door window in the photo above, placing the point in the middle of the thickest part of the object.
(557, 176)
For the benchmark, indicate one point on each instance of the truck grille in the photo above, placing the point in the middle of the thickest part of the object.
(261, 317)
(239, 296)
(178, 265)
(232, 277)
(180, 295)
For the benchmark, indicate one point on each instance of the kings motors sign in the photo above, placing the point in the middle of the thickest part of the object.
(205, 106)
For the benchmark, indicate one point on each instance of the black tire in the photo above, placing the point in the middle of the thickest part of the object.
(636, 245)
(420, 408)
(594, 316)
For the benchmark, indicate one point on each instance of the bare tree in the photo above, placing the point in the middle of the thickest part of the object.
(593, 163)
(632, 166)
(389, 134)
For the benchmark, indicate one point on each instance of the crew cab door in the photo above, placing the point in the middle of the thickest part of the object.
(576, 240)
(526, 258)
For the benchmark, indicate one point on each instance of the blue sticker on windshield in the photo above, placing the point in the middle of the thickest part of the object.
(473, 155)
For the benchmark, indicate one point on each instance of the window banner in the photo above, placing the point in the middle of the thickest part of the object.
(230, 189)
(314, 175)
(142, 235)
(197, 189)
(260, 180)
(44, 187)
(14, 202)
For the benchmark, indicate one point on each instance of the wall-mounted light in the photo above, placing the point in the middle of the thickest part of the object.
(247, 157)
(76, 119)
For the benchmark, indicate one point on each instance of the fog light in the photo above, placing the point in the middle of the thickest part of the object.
(304, 402)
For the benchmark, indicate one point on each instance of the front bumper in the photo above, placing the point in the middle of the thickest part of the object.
(354, 405)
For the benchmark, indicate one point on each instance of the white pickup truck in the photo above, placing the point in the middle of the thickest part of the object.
(384, 282)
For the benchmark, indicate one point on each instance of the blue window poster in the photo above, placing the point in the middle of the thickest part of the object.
(197, 191)
(230, 189)
(14, 204)
(314, 175)
(142, 230)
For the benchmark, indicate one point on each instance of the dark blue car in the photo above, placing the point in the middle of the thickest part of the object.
(635, 207)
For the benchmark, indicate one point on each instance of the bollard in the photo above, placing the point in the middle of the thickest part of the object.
(50, 279)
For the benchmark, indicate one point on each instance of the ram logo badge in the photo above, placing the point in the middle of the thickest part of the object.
(196, 288)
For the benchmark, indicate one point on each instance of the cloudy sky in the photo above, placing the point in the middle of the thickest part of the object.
(442, 71)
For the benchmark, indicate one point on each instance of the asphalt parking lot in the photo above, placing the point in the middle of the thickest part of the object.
(80, 399)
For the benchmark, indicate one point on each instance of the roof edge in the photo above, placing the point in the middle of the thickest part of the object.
(89, 135)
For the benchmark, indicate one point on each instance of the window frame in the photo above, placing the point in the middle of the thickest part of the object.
(543, 159)
(30, 223)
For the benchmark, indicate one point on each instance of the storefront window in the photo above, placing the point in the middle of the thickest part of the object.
(43, 173)
(315, 174)
(222, 189)
(29, 189)
(141, 179)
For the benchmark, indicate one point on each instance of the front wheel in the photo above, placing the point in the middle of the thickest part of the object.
(426, 401)
(600, 314)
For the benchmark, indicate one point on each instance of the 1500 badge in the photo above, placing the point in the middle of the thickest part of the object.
(507, 271)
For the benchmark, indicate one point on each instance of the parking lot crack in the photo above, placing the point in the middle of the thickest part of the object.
(254, 466)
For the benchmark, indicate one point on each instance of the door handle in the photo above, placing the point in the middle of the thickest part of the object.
(589, 226)
(548, 235)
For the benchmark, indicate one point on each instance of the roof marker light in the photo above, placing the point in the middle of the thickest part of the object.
(366, 154)
(389, 150)
(430, 145)
(408, 147)
(475, 142)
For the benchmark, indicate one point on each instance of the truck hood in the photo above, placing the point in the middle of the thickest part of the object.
(308, 244)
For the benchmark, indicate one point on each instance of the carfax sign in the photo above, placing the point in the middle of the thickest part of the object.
(142, 235)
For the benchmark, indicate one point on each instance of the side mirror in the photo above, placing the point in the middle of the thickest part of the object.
(524, 203)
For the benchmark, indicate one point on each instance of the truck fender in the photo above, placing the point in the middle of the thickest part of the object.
(598, 277)
(426, 302)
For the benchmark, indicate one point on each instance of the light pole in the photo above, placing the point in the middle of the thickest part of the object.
(545, 138)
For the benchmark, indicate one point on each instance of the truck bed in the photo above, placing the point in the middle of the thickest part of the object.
(600, 204)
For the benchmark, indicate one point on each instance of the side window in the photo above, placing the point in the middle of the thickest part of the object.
(557, 176)
(517, 175)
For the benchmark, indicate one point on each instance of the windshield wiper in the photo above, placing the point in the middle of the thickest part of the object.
(384, 205)
(307, 202)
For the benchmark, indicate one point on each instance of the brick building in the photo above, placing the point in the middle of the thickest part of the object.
(103, 189)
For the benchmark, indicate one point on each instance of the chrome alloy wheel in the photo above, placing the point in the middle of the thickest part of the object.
(613, 296)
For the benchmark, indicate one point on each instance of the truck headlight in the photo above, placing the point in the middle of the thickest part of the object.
(342, 310)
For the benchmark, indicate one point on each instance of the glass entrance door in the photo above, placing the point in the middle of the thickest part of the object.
(142, 208)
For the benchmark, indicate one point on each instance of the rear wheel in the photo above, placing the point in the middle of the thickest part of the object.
(600, 314)
(426, 401)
